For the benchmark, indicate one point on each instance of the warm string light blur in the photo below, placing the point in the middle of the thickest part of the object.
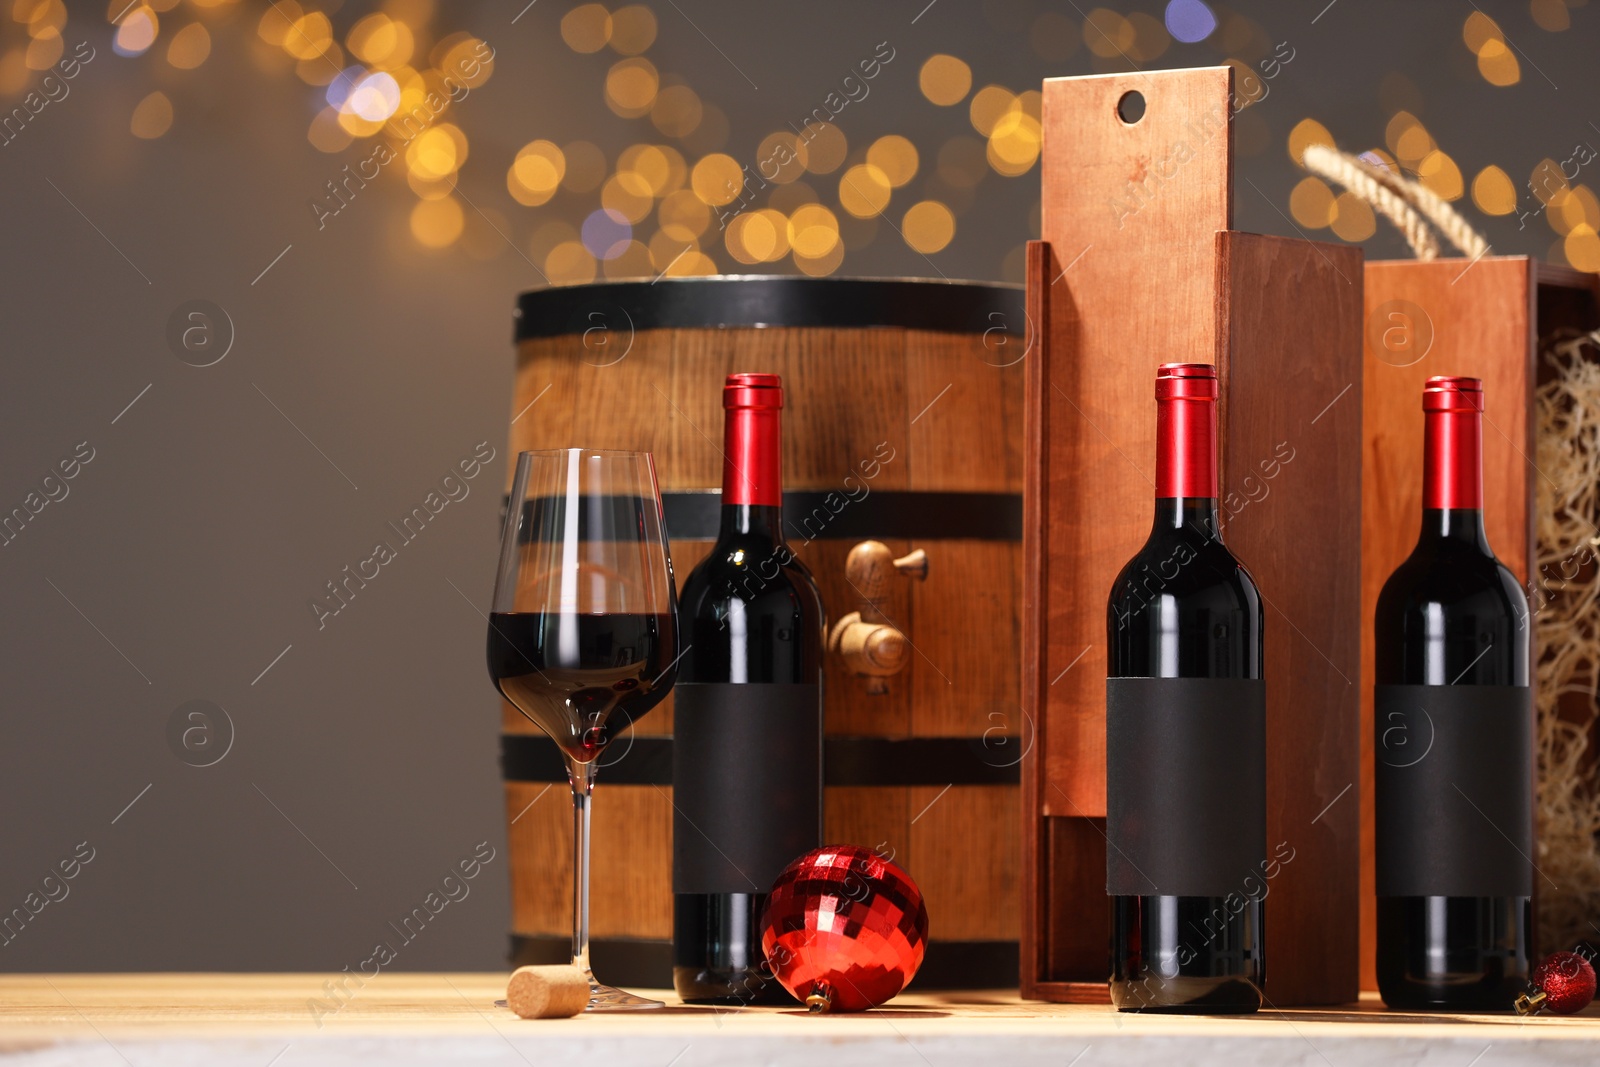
(687, 197)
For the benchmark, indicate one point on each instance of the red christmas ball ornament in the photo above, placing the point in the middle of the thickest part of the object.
(1563, 983)
(844, 929)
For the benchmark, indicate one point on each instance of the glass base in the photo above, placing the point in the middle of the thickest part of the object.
(607, 998)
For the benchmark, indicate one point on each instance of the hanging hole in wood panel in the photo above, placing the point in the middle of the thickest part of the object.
(1130, 108)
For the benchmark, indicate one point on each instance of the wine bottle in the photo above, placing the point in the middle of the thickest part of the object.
(1186, 865)
(1453, 741)
(747, 749)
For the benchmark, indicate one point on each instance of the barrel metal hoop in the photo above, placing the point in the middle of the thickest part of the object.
(847, 761)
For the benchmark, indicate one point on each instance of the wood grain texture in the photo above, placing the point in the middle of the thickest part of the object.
(1289, 357)
(1481, 321)
(1134, 231)
(946, 411)
(1034, 960)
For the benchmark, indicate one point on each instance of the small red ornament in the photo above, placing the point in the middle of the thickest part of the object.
(844, 929)
(1563, 984)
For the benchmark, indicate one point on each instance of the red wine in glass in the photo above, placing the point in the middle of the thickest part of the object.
(583, 632)
(585, 690)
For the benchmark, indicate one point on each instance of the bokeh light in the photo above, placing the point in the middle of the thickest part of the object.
(928, 226)
(536, 173)
(895, 157)
(1353, 219)
(1306, 133)
(136, 32)
(437, 223)
(631, 86)
(152, 117)
(190, 47)
(633, 29)
(717, 179)
(1311, 203)
(606, 233)
(945, 80)
(864, 190)
(586, 28)
(1493, 192)
(1190, 21)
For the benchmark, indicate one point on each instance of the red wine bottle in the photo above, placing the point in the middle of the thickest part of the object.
(1453, 741)
(1186, 865)
(747, 748)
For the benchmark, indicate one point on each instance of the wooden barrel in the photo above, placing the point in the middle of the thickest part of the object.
(902, 423)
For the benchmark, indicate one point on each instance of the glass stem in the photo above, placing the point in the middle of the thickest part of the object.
(581, 778)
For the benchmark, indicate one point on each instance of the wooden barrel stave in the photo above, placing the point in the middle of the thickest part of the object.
(952, 421)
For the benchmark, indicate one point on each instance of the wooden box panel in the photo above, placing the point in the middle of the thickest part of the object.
(1137, 268)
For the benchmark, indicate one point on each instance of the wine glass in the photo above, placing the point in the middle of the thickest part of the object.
(583, 634)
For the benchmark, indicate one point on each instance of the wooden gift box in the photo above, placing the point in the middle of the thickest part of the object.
(1138, 266)
(1481, 318)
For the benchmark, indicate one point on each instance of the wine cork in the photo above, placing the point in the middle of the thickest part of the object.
(554, 992)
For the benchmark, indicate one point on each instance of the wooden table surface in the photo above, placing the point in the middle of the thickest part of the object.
(134, 1020)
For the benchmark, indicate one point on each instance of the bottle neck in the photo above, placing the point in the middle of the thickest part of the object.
(1186, 463)
(752, 473)
(1452, 478)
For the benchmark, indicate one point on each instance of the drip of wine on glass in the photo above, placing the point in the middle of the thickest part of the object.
(583, 635)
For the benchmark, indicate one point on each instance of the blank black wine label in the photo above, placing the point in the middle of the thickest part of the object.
(1186, 788)
(1454, 779)
(746, 774)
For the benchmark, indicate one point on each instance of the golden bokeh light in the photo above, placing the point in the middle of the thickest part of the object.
(308, 36)
(137, 31)
(536, 173)
(1311, 203)
(1493, 192)
(928, 226)
(1582, 248)
(781, 157)
(752, 238)
(190, 46)
(1479, 30)
(823, 265)
(1015, 141)
(14, 75)
(717, 179)
(661, 167)
(437, 223)
(628, 195)
(586, 167)
(896, 157)
(677, 111)
(632, 262)
(569, 263)
(945, 80)
(1439, 172)
(1551, 15)
(988, 105)
(463, 58)
(864, 190)
(1306, 133)
(42, 16)
(431, 188)
(813, 232)
(322, 68)
(356, 125)
(44, 50)
(692, 264)
(586, 28)
(683, 216)
(1353, 219)
(152, 117)
(436, 152)
(326, 134)
(631, 86)
(1498, 64)
(633, 29)
(381, 42)
(826, 147)
(275, 21)
(1107, 34)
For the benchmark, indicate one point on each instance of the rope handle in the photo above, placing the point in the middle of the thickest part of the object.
(1410, 206)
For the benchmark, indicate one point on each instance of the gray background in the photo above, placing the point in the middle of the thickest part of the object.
(365, 759)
